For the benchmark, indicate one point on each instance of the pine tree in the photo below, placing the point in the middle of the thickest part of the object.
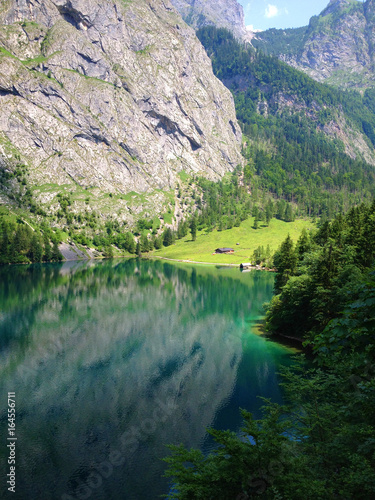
(6, 242)
(56, 254)
(108, 252)
(129, 242)
(303, 244)
(285, 261)
(193, 228)
(269, 212)
(281, 207)
(289, 216)
(182, 229)
(47, 252)
(158, 243)
(36, 250)
(167, 237)
(21, 243)
(144, 243)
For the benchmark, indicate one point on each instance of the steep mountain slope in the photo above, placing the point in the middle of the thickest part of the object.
(109, 96)
(268, 87)
(336, 47)
(308, 142)
(221, 13)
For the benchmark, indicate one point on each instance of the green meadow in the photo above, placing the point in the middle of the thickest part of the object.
(248, 239)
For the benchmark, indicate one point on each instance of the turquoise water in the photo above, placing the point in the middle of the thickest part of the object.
(110, 361)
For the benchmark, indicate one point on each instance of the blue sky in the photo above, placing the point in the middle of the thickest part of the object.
(264, 14)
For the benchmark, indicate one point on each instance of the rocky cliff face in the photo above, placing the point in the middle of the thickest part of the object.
(337, 47)
(221, 13)
(110, 95)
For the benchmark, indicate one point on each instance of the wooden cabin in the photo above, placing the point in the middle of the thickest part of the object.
(224, 250)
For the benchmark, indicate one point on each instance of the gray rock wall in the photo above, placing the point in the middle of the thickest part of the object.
(221, 13)
(337, 46)
(116, 95)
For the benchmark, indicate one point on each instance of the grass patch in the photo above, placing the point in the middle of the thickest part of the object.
(155, 223)
(89, 78)
(35, 60)
(167, 217)
(52, 188)
(134, 198)
(5, 52)
(248, 238)
(184, 176)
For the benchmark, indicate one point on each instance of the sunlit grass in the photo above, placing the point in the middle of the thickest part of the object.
(248, 239)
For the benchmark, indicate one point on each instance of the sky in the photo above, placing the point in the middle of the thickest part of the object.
(264, 14)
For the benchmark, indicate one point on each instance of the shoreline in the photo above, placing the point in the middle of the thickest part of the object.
(187, 261)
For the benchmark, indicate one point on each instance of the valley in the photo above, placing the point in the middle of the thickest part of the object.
(245, 240)
(137, 133)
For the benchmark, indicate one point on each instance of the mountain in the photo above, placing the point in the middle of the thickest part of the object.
(109, 97)
(306, 141)
(337, 47)
(220, 13)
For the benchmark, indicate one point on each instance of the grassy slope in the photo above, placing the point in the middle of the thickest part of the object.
(248, 238)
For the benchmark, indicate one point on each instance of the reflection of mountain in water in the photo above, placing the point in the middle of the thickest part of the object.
(144, 348)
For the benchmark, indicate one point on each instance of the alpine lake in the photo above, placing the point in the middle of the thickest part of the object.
(110, 361)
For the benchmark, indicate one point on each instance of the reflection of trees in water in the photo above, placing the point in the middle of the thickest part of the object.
(99, 347)
(32, 286)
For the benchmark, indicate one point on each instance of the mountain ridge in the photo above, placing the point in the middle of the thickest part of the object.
(227, 14)
(337, 47)
(114, 97)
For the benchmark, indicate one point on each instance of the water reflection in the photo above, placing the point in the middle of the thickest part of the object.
(110, 361)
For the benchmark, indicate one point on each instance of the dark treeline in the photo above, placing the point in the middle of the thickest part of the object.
(21, 244)
(316, 276)
(293, 159)
(278, 41)
(225, 204)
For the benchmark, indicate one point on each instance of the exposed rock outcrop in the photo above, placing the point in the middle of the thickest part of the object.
(113, 95)
(337, 47)
(221, 13)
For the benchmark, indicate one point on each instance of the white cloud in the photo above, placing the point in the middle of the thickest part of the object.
(271, 11)
(251, 28)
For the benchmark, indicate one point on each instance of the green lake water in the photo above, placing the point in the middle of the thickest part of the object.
(110, 361)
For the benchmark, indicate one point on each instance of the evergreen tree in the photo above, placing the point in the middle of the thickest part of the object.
(36, 250)
(144, 243)
(285, 261)
(167, 237)
(138, 249)
(56, 254)
(158, 243)
(289, 217)
(108, 252)
(21, 243)
(303, 244)
(269, 212)
(193, 228)
(47, 251)
(182, 229)
(6, 241)
(281, 208)
(130, 243)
